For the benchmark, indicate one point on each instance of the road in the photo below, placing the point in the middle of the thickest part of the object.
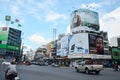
(35, 72)
(2, 72)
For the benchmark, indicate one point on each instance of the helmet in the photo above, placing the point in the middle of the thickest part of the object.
(12, 62)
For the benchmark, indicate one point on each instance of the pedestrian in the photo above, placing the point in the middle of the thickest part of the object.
(11, 72)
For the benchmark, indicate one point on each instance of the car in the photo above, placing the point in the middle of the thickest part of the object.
(88, 66)
(1, 61)
(5, 63)
(55, 65)
(27, 63)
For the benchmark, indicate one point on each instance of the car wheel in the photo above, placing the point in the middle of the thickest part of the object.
(87, 71)
(97, 72)
(76, 69)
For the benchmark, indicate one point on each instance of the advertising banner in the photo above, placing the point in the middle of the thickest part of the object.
(53, 46)
(62, 46)
(84, 17)
(79, 43)
(3, 33)
(96, 44)
(59, 48)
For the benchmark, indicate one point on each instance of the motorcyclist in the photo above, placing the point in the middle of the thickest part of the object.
(11, 72)
(116, 66)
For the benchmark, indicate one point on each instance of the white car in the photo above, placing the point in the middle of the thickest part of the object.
(88, 66)
(5, 63)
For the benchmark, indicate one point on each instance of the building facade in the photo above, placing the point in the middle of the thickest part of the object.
(115, 48)
(115, 41)
(10, 43)
(88, 41)
(85, 40)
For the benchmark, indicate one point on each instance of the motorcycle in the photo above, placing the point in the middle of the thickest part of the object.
(116, 67)
(13, 76)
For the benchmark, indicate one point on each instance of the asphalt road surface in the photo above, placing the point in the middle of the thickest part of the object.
(35, 72)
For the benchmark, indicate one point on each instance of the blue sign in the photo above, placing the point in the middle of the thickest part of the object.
(86, 51)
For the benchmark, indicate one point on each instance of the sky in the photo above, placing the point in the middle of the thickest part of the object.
(39, 17)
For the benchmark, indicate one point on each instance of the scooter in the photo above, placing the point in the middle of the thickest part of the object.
(13, 76)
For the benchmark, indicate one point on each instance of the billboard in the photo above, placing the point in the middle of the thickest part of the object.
(116, 53)
(4, 33)
(62, 46)
(59, 48)
(53, 46)
(96, 44)
(79, 43)
(84, 17)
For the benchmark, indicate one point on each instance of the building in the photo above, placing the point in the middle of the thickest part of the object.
(105, 42)
(10, 43)
(115, 48)
(115, 41)
(85, 40)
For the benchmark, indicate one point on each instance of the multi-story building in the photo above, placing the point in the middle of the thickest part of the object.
(85, 40)
(115, 48)
(115, 41)
(10, 43)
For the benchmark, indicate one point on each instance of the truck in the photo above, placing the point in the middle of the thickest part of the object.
(88, 66)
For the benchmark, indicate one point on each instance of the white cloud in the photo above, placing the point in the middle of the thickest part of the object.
(2, 24)
(52, 16)
(110, 22)
(37, 39)
(91, 5)
(46, 5)
(34, 12)
(26, 47)
(15, 10)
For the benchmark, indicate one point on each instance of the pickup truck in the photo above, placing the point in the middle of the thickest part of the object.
(88, 67)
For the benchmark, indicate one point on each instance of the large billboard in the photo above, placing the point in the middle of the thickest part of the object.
(62, 46)
(79, 43)
(84, 17)
(96, 44)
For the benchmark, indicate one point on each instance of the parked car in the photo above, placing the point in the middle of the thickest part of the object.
(55, 65)
(88, 67)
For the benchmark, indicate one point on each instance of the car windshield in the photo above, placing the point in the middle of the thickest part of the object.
(88, 62)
